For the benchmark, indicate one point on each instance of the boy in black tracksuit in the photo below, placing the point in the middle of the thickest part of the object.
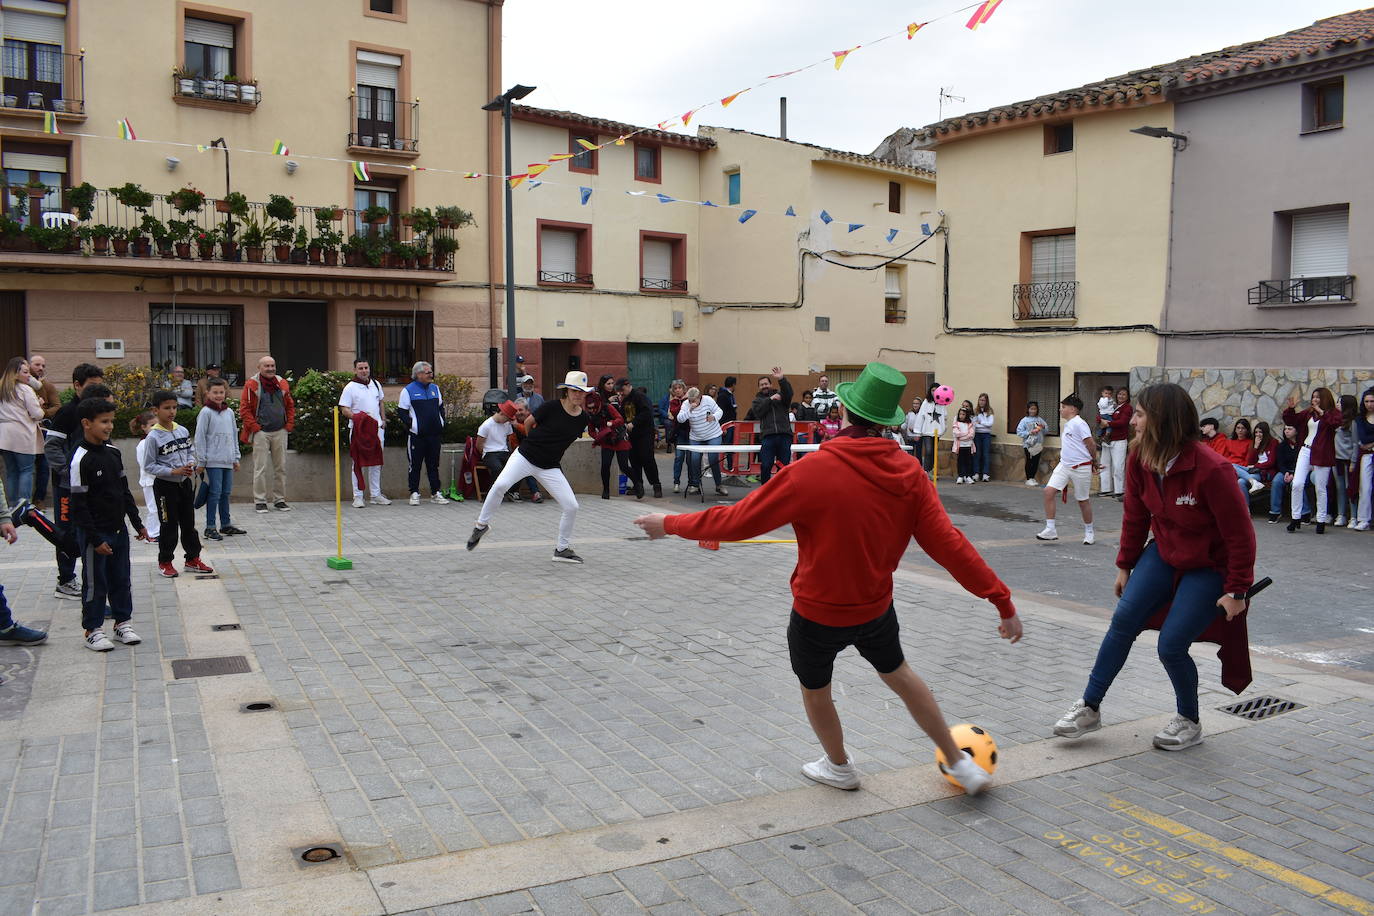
(100, 499)
(171, 461)
(61, 434)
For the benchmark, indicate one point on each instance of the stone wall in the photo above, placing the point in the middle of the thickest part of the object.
(1256, 394)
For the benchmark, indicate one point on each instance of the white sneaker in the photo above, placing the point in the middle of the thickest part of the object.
(380, 500)
(971, 776)
(1180, 733)
(439, 499)
(676, 488)
(1361, 526)
(1049, 534)
(1256, 485)
(1340, 521)
(125, 634)
(99, 642)
(958, 480)
(1088, 537)
(415, 499)
(827, 773)
(1078, 721)
(986, 478)
(1032, 483)
(358, 502)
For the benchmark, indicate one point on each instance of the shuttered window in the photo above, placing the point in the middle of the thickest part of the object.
(1321, 244)
(206, 32)
(892, 279)
(48, 27)
(32, 162)
(380, 70)
(1052, 258)
(658, 260)
(558, 252)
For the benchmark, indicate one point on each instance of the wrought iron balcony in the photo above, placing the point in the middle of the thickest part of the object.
(235, 92)
(1300, 290)
(1030, 301)
(39, 77)
(558, 276)
(659, 284)
(384, 124)
(894, 315)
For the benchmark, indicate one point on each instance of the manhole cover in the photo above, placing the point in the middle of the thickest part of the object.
(1261, 707)
(209, 667)
(226, 626)
(259, 706)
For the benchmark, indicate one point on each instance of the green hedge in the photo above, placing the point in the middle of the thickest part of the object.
(317, 394)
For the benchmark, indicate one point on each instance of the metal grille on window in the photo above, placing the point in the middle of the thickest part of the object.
(189, 336)
(387, 342)
(658, 265)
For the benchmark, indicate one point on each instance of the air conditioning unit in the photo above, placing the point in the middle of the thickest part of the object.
(109, 348)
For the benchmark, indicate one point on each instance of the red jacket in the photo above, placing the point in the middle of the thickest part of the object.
(1119, 426)
(1324, 444)
(1265, 459)
(248, 408)
(608, 428)
(854, 505)
(1236, 451)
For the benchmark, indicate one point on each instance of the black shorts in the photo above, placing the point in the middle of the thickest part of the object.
(813, 646)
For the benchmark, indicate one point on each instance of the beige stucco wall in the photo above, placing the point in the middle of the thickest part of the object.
(1113, 188)
(757, 263)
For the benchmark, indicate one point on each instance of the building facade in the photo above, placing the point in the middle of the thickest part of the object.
(395, 84)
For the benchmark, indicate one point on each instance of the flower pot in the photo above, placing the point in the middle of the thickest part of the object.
(365, 140)
(392, 261)
(35, 99)
(445, 223)
(184, 250)
(207, 252)
(384, 141)
(248, 94)
(254, 253)
(186, 86)
(282, 253)
(405, 220)
(331, 258)
(165, 249)
(316, 254)
(336, 214)
(36, 193)
(121, 247)
(298, 255)
(221, 206)
(378, 221)
(59, 104)
(231, 92)
(398, 144)
(410, 263)
(229, 250)
(10, 101)
(353, 259)
(100, 244)
(142, 248)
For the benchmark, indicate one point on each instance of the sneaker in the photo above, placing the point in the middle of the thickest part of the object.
(536, 498)
(986, 478)
(823, 771)
(1049, 534)
(260, 507)
(1256, 486)
(358, 502)
(476, 536)
(970, 775)
(1340, 521)
(438, 499)
(19, 635)
(415, 499)
(566, 555)
(677, 488)
(99, 642)
(1078, 721)
(231, 529)
(958, 480)
(1032, 483)
(1273, 518)
(196, 566)
(1179, 734)
(692, 491)
(125, 634)
(167, 571)
(380, 500)
(70, 590)
(1362, 526)
(721, 491)
(213, 534)
(513, 495)
(1088, 537)
(658, 492)
(281, 506)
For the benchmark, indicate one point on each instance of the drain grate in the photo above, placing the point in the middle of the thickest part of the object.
(314, 855)
(258, 706)
(226, 626)
(209, 667)
(1261, 707)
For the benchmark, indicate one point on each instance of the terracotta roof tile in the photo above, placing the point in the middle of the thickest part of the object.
(604, 126)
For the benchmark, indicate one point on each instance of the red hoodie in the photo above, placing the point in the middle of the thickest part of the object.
(854, 505)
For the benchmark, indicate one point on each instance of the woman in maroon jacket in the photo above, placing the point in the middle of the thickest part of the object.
(1200, 563)
(1316, 428)
(608, 431)
(1118, 431)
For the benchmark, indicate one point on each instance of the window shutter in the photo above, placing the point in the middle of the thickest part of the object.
(381, 70)
(893, 282)
(32, 162)
(1052, 258)
(658, 260)
(558, 251)
(26, 26)
(208, 32)
(1321, 244)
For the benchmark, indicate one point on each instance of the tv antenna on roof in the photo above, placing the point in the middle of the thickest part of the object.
(946, 95)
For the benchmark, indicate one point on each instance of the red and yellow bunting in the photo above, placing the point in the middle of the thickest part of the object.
(983, 13)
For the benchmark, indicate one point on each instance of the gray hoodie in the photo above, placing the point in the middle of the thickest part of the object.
(217, 438)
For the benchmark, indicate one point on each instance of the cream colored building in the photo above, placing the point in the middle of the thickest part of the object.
(395, 83)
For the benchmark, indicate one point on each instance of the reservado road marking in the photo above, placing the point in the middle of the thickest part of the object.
(1244, 859)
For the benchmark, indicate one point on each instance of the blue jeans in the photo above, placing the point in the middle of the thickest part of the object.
(1278, 491)
(6, 618)
(1194, 607)
(679, 457)
(774, 447)
(18, 476)
(982, 454)
(221, 482)
(694, 463)
(105, 579)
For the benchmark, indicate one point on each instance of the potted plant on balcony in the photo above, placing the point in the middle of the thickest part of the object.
(186, 80)
(248, 92)
(353, 250)
(81, 200)
(300, 246)
(328, 214)
(20, 206)
(230, 90)
(132, 195)
(376, 215)
(421, 244)
(36, 189)
(328, 241)
(282, 213)
(187, 199)
(59, 238)
(233, 203)
(444, 247)
(422, 219)
(100, 235)
(453, 217)
(9, 100)
(254, 237)
(204, 240)
(179, 232)
(158, 232)
(120, 239)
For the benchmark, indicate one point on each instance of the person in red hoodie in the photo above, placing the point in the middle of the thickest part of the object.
(1200, 563)
(1316, 428)
(855, 505)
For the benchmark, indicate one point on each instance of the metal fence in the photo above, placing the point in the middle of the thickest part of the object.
(1044, 300)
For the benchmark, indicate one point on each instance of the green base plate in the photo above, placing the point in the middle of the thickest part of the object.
(339, 563)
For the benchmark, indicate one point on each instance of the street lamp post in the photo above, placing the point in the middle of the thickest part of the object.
(502, 103)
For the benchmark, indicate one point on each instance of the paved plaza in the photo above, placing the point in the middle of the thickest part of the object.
(493, 733)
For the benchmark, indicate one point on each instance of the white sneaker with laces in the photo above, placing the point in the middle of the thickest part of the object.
(1089, 537)
(1078, 721)
(986, 478)
(380, 500)
(1340, 521)
(1361, 526)
(125, 634)
(358, 502)
(439, 499)
(415, 499)
(1049, 534)
(1256, 485)
(677, 488)
(1180, 733)
(99, 642)
(841, 776)
(971, 776)
(1031, 483)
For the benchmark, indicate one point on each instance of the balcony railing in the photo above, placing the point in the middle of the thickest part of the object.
(556, 276)
(384, 124)
(39, 77)
(894, 315)
(1030, 301)
(237, 92)
(656, 283)
(1300, 290)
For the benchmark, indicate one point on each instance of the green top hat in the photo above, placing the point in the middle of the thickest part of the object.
(876, 395)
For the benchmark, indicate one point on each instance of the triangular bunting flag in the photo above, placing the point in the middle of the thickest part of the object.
(687, 118)
(534, 183)
(50, 123)
(983, 13)
(619, 141)
(778, 76)
(202, 148)
(126, 130)
(925, 229)
(636, 193)
(912, 29)
(516, 179)
(725, 102)
(891, 234)
(665, 199)
(559, 157)
(360, 171)
(585, 194)
(841, 55)
(664, 125)
(279, 149)
(471, 174)
(853, 226)
(790, 211)
(707, 203)
(587, 145)
(537, 168)
(826, 218)
(744, 217)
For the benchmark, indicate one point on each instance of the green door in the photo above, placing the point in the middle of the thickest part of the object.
(653, 367)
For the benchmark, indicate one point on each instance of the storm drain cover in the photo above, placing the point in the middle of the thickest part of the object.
(209, 667)
(1261, 707)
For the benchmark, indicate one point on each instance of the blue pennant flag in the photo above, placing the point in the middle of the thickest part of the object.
(790, 211)
(827, 218)
(586, 194)
(534, 183)
(925, 229)
(636, 193)
(665, 199)
(853, 226)
(891, 234)
(744, 217)
(707, 203)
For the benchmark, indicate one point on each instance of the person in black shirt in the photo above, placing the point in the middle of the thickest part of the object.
(639, 417)
(552, 428)
(62, 432)
(729, 413)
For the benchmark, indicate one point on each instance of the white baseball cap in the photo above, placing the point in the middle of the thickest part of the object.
(576, 380)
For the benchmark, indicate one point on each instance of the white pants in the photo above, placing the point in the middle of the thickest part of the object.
(1320, 478)
(1081, 478)
(374, 481)
(1114, 467)
(150, 517)
(1366, 487)
(553, 482)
